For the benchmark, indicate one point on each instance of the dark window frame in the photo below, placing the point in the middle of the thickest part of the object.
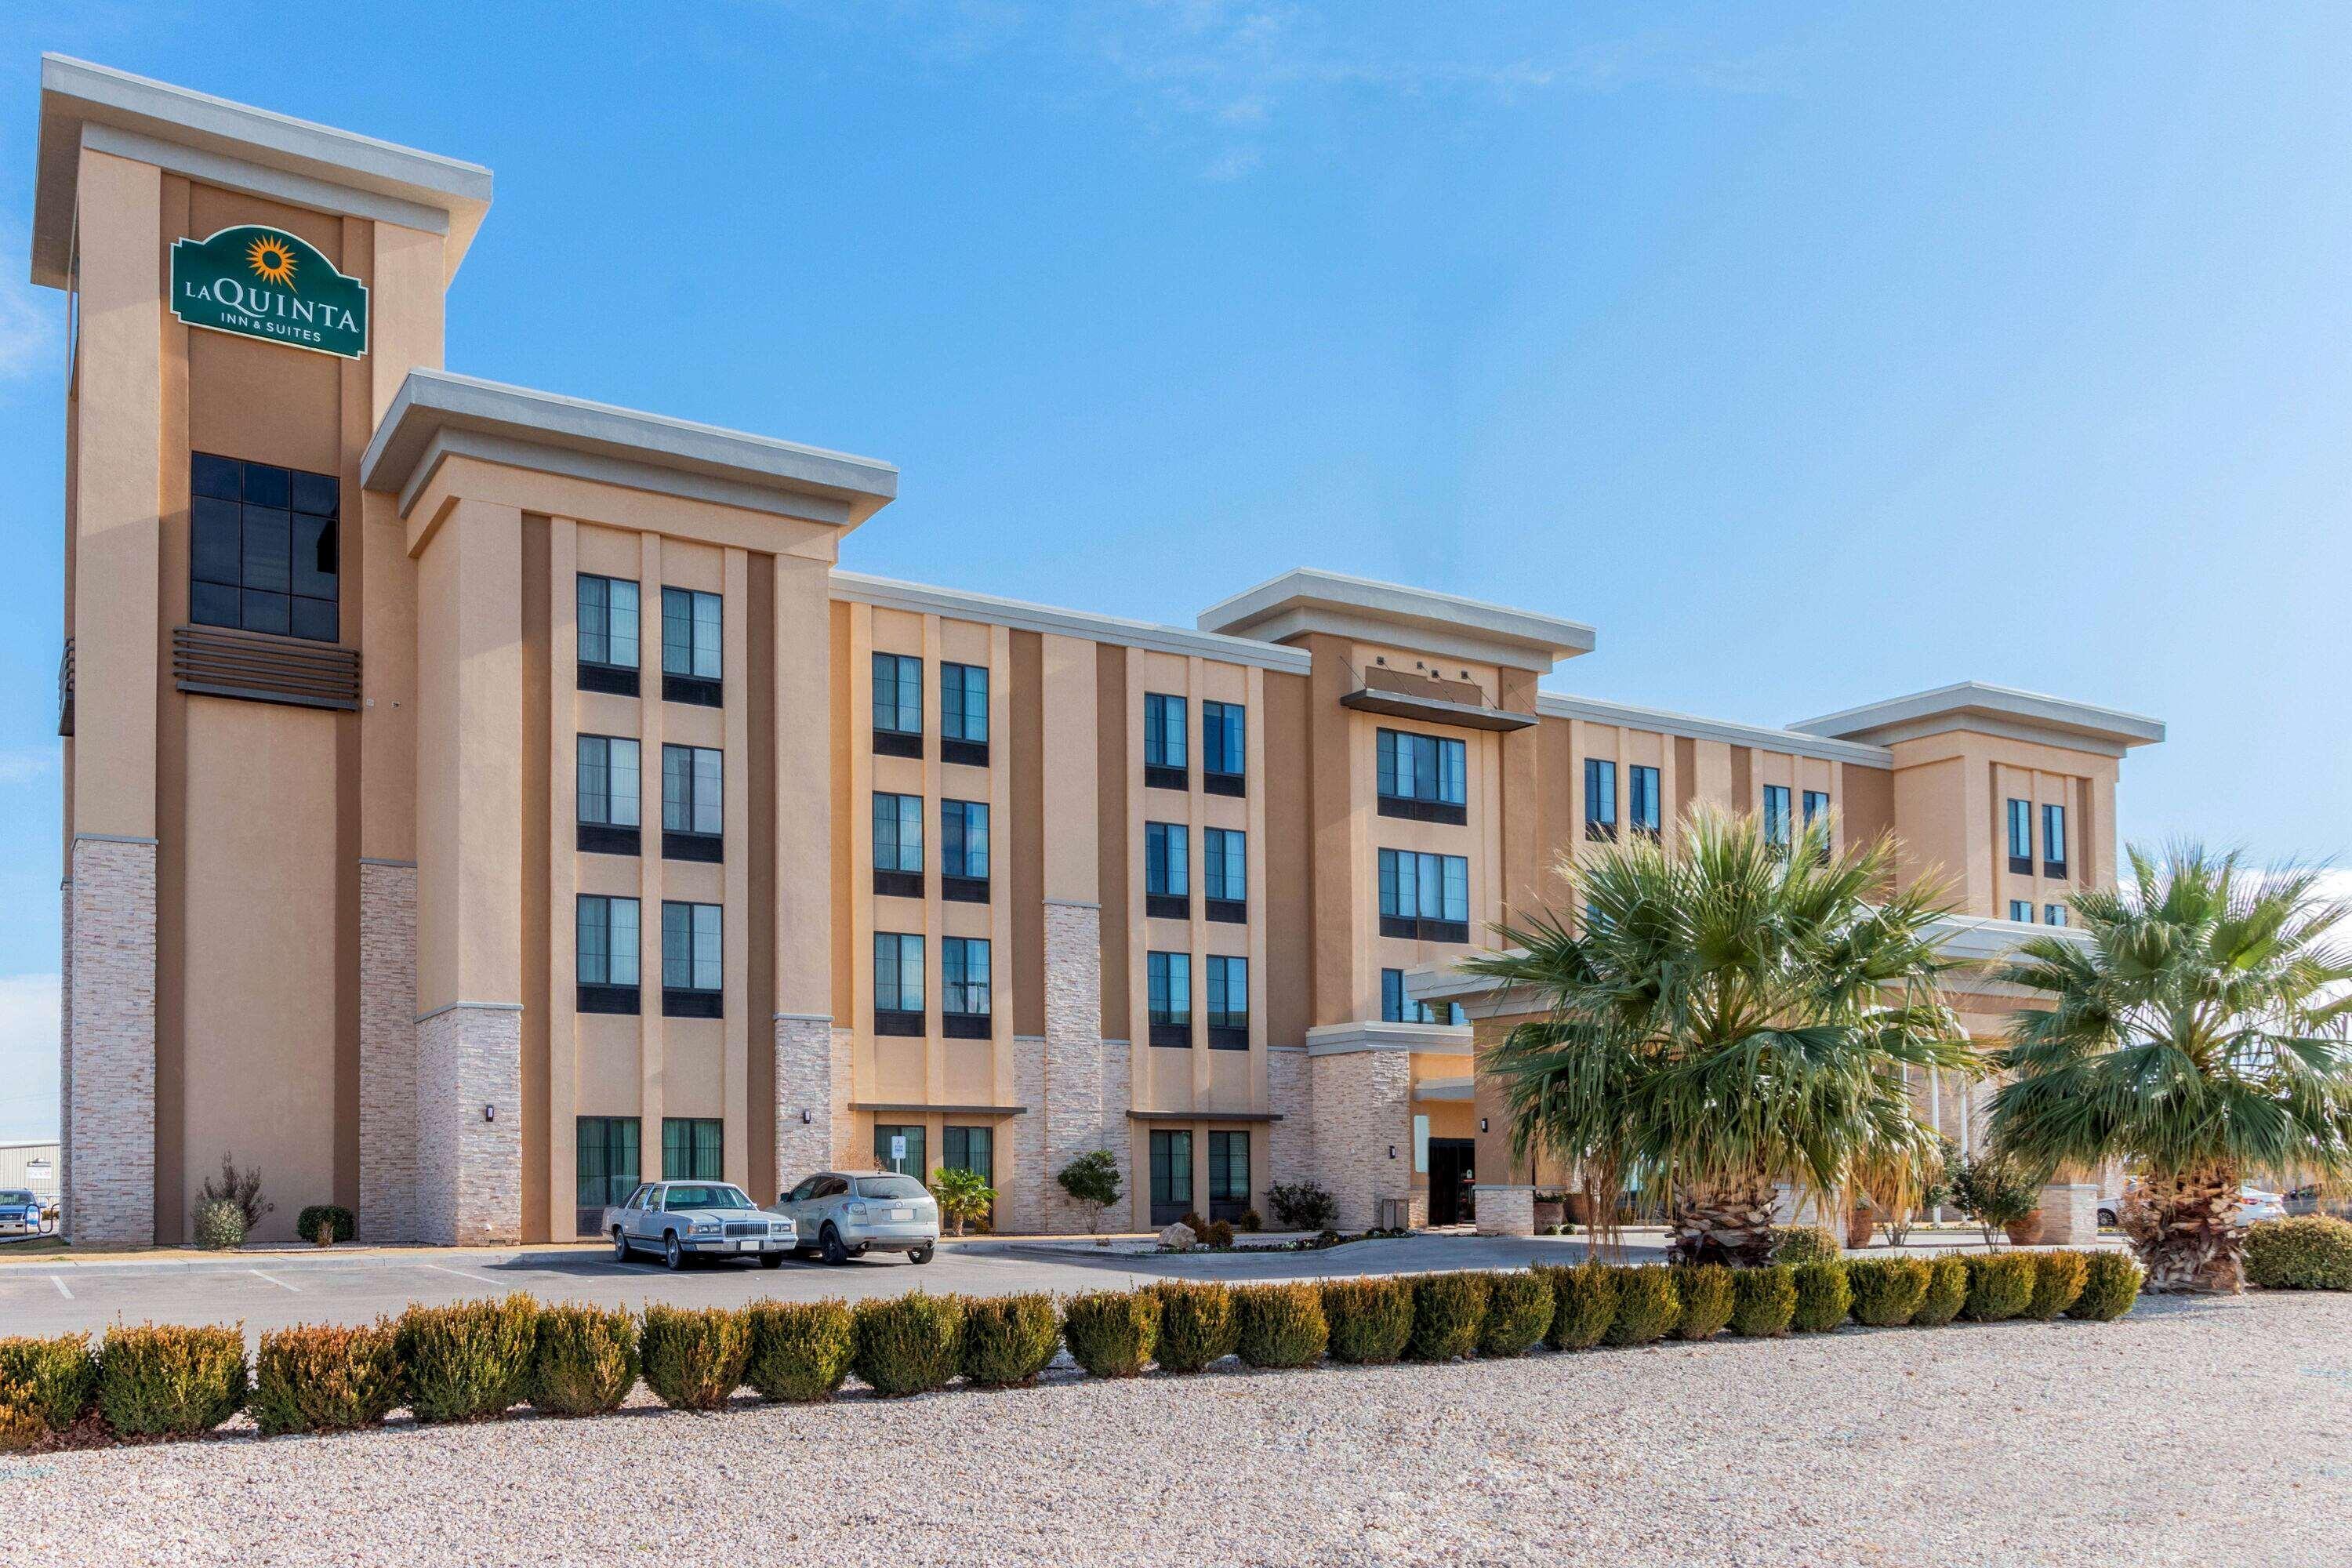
(245, 549)
(1231, 748)
(1601, 799)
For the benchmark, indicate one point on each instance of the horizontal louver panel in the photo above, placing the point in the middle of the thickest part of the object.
(265, 670)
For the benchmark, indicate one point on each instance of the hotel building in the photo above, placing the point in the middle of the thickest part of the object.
(477, 800)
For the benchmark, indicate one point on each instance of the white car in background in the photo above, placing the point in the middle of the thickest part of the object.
(2253, 1204)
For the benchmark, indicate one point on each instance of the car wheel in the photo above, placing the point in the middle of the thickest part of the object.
(919, 1254)
(620, 1246)
(772, 1260)
(673, 1255)
(831, 1242)
(2108, 1216)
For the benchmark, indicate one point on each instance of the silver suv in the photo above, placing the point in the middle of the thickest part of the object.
(678, 1219)
(847, 1214)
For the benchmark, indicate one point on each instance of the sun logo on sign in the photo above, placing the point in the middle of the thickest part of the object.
(272, 260)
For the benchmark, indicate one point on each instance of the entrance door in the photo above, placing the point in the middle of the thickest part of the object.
(1450, 1179)
(607, 1166)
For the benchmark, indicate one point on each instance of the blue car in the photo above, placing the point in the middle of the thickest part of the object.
(20, 1212)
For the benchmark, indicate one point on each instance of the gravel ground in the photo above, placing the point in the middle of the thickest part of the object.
(2189, 1434)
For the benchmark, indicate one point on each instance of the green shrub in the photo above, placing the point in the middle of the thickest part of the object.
(344, 1225)
(1196, 1325)
(21, 1427)
(1448, 1310)
(1112, 1333)
(1009, 1340)
(56, 1380)
(2057, 1280)
(693, 1357)
(1705, 1292)
(2312, 1252)
(220, 1225)
(1583, 1305)
(2110, 1286)
(1647, 1307)
(1280, 1325)
(1253, 1221)
(1302, 1205)
(325, 1378)
(1823, 1298)
(1806, 1244)
(1372, 1319)
(470, 1362)
(2000, 1286)
(1763, 1301)
(1196, 1225)
(165, 1381)
(1888, 1290)
(583, 1359)
(800, 1350)
(1518, 1310)
(909, 1345)
(1221, 1233)
(1947, 1292)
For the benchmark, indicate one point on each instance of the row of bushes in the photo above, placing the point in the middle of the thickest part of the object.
(477, 1359)
(2309, 1252)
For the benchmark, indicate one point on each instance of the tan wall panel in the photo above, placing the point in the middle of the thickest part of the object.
(1025, 835)
(1286, 898)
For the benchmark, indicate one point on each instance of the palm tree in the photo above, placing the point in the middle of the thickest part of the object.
(2198, 1035)
(1729, 1014)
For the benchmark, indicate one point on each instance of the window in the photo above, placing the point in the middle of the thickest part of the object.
(2021, 839)
(690, 960)
(1424, 897)
(2053, 914)
(897, 984)
(605, 1160)
(1424, 777)
(1171, 1175)
(897, 705)
(1396, 1007)
(2020, 911)
(606, 794)
(605, 936)
(1223, 733)
(1776, 815)
(963, 851)
(608, 635)
(963, 987)
(1228, 1002)
(1229, 1174)
(1168, 871)
(1163, 741)
(262, 548)
(691, 1148)
(1600, 798)
(1225, 875)
(964, 714)
(693, 815)
(1642, 800)
(2054, 841)
(899, 1150)
(899, 845)
(690, 650)
(1170, 978)
(969, 1149)
(1816, 805)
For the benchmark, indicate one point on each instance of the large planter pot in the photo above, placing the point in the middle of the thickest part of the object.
(2025, 1232)
(1549, 1213)
(1860, 1223)
(1580, 1209)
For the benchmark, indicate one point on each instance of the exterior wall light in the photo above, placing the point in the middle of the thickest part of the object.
(490, 1113)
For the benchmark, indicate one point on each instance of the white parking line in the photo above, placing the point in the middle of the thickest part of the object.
(273, 1278)
(61, 1288)
(461, 1274)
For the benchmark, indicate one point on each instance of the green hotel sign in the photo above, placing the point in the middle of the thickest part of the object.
(266, 283)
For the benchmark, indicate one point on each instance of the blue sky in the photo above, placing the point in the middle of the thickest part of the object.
(1814, 355)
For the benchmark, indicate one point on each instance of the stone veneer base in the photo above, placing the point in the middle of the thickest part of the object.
(107, 1044)
(388, 1129)
(470, 1164)
(804, 1081)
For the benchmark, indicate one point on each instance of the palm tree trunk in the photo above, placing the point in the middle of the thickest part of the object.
(1724, 1220)
(2184, 1228)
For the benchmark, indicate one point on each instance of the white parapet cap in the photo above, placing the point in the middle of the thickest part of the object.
(1308, 600)
(1991, 709)
(437, 414)
(958, 604)
(240, 148)
(1665, 721)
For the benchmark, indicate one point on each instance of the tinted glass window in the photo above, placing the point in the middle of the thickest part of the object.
(264, 552)
(891, 1187)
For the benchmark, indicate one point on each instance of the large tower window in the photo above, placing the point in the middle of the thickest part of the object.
(263, 548)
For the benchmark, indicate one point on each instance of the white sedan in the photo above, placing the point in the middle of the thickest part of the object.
(2253, 1204)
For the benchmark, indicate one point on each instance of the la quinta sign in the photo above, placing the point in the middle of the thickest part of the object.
(266, 283)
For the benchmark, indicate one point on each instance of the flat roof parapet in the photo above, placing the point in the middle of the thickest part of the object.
(1310, 600)
(1991, 710)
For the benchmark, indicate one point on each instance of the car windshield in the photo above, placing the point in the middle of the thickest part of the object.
(15, 1196)
(891, 1187)
(700, 1197)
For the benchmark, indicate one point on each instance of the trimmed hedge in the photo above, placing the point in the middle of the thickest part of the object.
(1763, 1301)
(467, 1362)
(325, 1378)
(1704, 1290)
(1887, 1291)
(2000, 1286)
(909, 1345)
(2057, 1280)
(161, 1380)
(1448, 1310)
(1009, 1340)
(1196, 1325)
(1647, 1307)
(1947, 1292)
(2310, 1252)
(1823, 1298)
(1583, 1305)
(306, 1224)
(1112, 1333)
(1370, 1320)
(1280, 1325)
(800, 1350)
(1519, 1312)
(2110, 1286)
(693, 1357)
(54, 1381)
(583, 1359)
(1806, 1244)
